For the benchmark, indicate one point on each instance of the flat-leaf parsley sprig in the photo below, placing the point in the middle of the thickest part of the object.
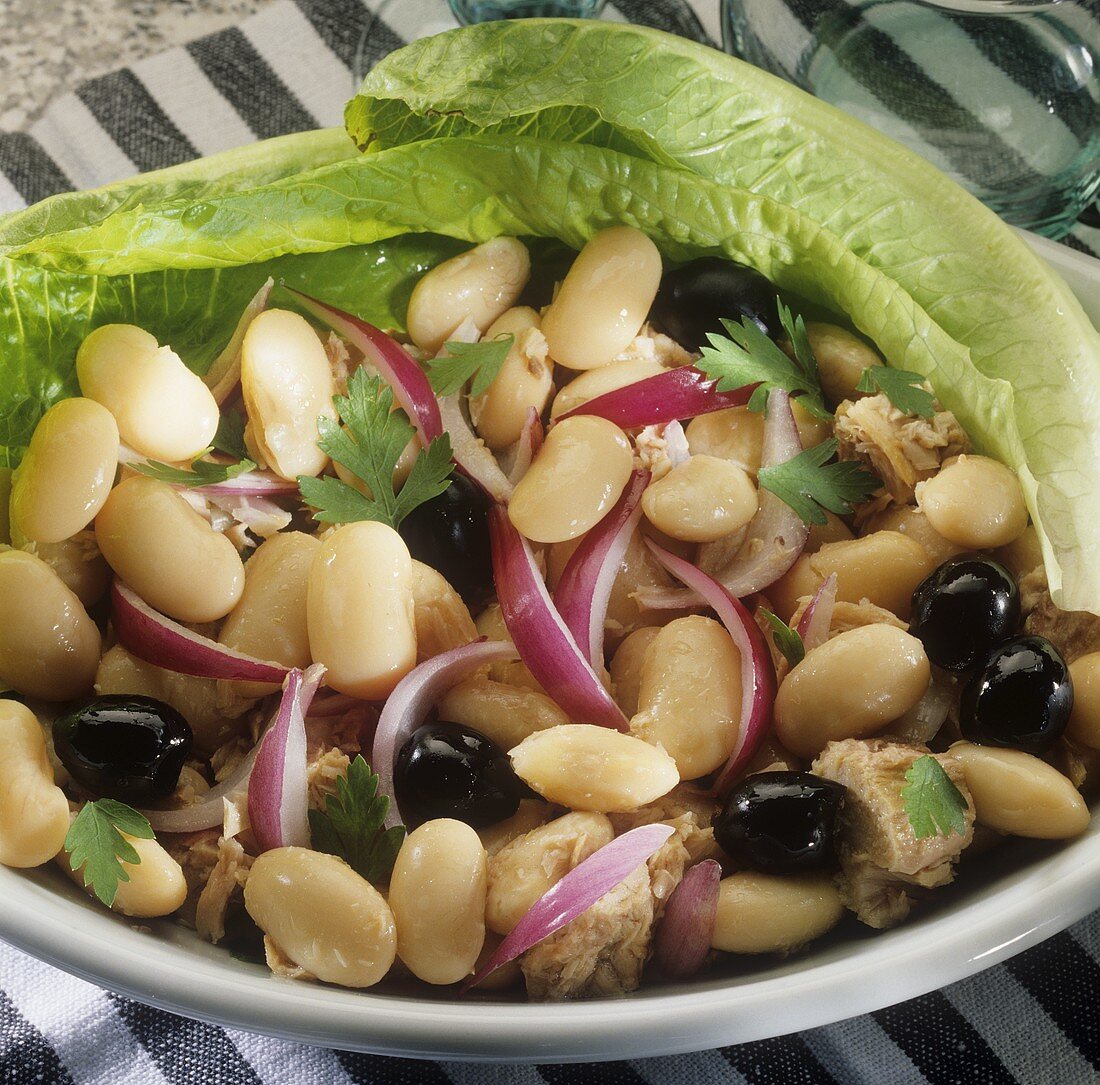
(201, 473)
(787, 640)
(905, 390)
(369, 447)
(458, 363)
(95, 842)
(809, 483)
(745, 355)
(933, 804)
(350, 825)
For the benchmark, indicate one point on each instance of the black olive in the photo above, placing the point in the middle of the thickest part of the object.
(963, 610)
(781, 822)
(124, 747)
(447, 771)
(451, 534)
(1021, 697)
(243, 938)
(693, 299)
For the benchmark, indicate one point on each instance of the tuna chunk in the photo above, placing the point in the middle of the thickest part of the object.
(604, 950)
(881, 861)
(1073, 632)
(902, 449)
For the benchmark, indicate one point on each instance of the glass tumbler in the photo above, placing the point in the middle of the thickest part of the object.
(1003, 95)
(481, 11)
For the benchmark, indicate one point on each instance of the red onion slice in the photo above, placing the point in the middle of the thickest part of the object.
(576, 893)
(278, 790)
(209, 812)
(225, 373)
(666, 397)
(471, 454)
(540, 634)
(412, 698)
(261, 516)
(523, 452)
(687, 927)
(584, 590)
(249, 484)
(813, 626)
(758, 682)
(411, 390)
(776, 536)
(151, 636)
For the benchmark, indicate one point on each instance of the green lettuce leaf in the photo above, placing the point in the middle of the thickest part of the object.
(680, 103)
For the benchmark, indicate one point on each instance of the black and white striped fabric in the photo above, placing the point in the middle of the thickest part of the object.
(1031, 1021)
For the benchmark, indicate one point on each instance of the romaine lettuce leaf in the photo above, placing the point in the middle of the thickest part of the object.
(674, 101)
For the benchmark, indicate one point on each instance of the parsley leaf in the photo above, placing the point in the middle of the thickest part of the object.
(369, 448)
(202, 472)
(230, 436)
(901, 387)
(787, 640)
(463, 361)
(934, 805)
(748, 356)
(350, 825)
(95, 842)
(808, 483)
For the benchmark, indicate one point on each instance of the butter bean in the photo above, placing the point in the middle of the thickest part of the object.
(737, 434)
(913, 524)
(442, 620)
(505, 713)
(34, 815)
(1022, 555)
(841, 359)
(162, 408)
(1017, 793)
(689, 702)
(851, 686)
(626, 668)
(1084, 720)
(884, 567)
(168, 553)
(322, 916)
(575, 479)
(437, 893)
(523, 870)
(49, 647)
(598, 382)
(79, 564)
(604, 299)
(67, 472)
(360, 612)
(594, 768)
(525, 380)
(479, 285)
(156, 883)
(287, 385)
(769, 913)
(701, 500)
(974, 502)
(269, 621)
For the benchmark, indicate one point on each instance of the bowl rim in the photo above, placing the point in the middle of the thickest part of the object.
(1014, 912)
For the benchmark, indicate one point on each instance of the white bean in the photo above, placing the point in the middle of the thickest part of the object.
(769, 913)
(155, 886)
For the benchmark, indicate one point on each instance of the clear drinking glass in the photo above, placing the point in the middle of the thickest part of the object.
(1003, 95)
(481, 11)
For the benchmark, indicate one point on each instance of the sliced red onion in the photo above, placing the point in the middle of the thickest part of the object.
(261, 516)
(922, 722)
(151, 636)
(411, 390)
(471, 454)
(584, 590)
(540, 634)
(250, 484)
(776, 536)
(414, 696)
(278, 790)
(758, 682)
(225, 374)
(687, 927)
(209, 812)
(523, 452)
(678, 393)
(813, 626)
(585, 884)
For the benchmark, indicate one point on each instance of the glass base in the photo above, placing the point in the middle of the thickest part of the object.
(483, 11)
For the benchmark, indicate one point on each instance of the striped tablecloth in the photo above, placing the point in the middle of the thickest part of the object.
(1031, 1021)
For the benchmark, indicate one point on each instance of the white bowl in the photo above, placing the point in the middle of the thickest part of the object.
(1002, 903)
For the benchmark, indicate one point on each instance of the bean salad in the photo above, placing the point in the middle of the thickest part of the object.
(608, 621)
